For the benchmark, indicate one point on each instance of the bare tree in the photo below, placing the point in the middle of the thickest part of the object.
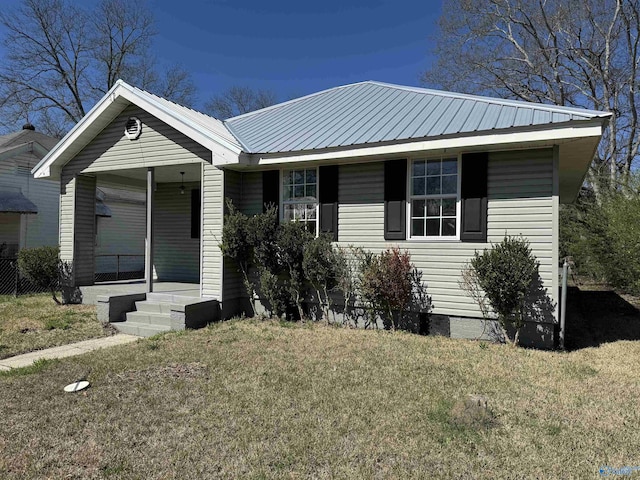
(238, 100)
(60, 58)
(563, 52)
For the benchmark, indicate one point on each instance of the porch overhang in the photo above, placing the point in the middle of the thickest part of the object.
(16, 202)
(207, 131)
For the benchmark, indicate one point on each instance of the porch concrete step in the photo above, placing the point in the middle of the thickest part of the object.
(140, 329)
(154, 319)
(153, 307)
(172, 298)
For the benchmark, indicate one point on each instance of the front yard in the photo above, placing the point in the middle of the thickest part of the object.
(34, 322)
(249, 399)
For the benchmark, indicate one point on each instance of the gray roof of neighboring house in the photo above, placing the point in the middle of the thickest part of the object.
(13, 201)
(26, 136)
(373, 112)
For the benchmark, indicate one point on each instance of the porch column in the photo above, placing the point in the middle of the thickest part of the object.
(148, 253)
(77, 226)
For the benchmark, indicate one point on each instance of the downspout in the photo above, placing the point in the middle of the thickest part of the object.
(563, 303)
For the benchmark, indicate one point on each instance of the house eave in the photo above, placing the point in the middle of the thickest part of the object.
(509, 138)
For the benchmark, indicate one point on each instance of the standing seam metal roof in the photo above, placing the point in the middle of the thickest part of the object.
(373, 112)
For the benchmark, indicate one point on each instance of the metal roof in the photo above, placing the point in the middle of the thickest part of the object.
(203, 121)
(373, 112)
(26, 136)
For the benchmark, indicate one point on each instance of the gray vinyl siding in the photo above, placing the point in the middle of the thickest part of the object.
(84, 230)
(519, 203)
(158, 145)
(123, 233)
(251, 193)
(67, 204)
(176, 256)
(41, 228)
(212, 215)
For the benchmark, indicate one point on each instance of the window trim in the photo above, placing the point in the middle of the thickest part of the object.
(431, 238)
(281, 194)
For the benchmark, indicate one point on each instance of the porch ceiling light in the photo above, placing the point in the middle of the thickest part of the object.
(182, 184)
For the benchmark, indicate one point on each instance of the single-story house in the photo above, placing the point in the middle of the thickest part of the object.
(438, 174)
(29, 208)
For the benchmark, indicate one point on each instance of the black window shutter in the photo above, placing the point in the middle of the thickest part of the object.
(395, 199)
(195, 213)
(474, 197)
(328, 200)
(270, 189)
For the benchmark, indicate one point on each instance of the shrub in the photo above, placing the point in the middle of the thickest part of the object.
(292, 238)
(346, 272)
(41, 266)
(387, 282)
(502, 277)
(604, 238)
(237, 245)
(320, 268)
(616, 241)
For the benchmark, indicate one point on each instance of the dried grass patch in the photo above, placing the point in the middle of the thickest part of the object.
(253, 399)
(34, 322)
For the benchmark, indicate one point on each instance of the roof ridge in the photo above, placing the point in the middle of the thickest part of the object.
(494, 100)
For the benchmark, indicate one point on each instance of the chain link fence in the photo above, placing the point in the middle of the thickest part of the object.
(12, 283)
(109, 268)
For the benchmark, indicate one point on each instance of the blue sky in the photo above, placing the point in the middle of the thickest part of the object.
(293, 48)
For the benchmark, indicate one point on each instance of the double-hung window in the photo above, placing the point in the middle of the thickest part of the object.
(300, 197)
(434, 198)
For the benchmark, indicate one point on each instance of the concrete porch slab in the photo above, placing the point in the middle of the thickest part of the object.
(91, 293)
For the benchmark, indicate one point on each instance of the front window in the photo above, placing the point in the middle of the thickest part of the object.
(434, 198)
(299, 197)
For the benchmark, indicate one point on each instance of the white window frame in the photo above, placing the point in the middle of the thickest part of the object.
(317, 202)
(410, 197)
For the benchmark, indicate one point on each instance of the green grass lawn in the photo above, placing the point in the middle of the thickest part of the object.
(248, 399)
(34, 322)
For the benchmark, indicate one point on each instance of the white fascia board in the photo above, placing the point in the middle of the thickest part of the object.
(43, 168)
(589, 129)
(193, 130)
(226, 155)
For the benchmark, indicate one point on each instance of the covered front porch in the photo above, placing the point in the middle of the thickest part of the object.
(173, 155)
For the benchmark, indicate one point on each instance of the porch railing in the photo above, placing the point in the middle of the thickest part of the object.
(121, 266)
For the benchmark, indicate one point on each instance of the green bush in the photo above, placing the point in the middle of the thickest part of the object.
(604, 239)
(237, 245)
(617, 241)
(292, 239)
(320, 264)
(503, 276)
(281, 260)
(41, 266)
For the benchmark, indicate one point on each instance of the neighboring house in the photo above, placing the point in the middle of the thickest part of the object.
(29, 208)
(439, 174)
